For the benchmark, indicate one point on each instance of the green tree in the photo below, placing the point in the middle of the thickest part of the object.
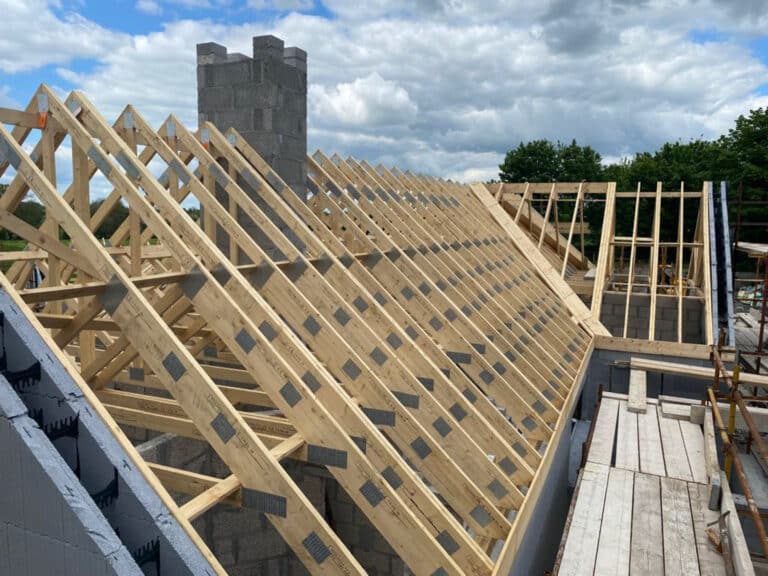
(746, 165)
(115, 217)
(747, 148)
(534, 161)
(577, 163)
(543, 161)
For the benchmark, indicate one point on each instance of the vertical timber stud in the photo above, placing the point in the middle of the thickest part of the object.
(632, 254)
(655, 262)
(679, 286)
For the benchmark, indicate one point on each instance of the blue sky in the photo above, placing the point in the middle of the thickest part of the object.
(440, 86)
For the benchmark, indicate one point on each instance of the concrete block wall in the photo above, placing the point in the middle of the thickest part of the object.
(361, 537)
(263, 97)
(245, 542)
(48, 523)
(134, 515)
(612, 316)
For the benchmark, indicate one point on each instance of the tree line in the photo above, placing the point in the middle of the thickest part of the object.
(33, 213)
(739, 157)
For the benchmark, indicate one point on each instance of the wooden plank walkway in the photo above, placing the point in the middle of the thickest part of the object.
(642, 501)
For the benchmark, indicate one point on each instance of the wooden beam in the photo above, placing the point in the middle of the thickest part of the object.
(632, 254)
(604, 254)
(680, 286)
(702, 372)
(576, 210)
(550, 276)
(524, 515)
(637, 392)
(226, 488)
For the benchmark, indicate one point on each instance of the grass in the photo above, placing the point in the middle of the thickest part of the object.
(12, 245)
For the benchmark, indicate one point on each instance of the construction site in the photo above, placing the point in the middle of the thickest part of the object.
(346, 368)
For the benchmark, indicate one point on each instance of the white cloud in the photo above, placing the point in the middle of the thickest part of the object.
(442, 86)
(366, 103)
(33, 36)
(149, 7)
(281, 5)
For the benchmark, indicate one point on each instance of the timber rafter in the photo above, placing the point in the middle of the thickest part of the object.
(388, 317)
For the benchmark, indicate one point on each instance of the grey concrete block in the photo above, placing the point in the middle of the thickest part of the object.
(294, 53)
(264, 95)
(5, 567)
(215, 98)
(18, 555)
(229, 73)
(45, 554)
(11, 508)
(343, 512)
(211, 48)
(268, 46)
(275, 92)
(225, 119)
(41, 500)
(56, 506)
(347, 531)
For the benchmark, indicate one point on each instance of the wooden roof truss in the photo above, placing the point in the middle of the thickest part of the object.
(536, 207)
(391, 317)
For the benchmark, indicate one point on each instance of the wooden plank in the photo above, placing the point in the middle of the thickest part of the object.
(604, 432)
(701, 372)
(627, 446)
(212, 496)
(693, 438)
(613, 551)
(632, 254)
(711, 562)
(643, 346)
(740, 556)
(583, 536)
(576, 210)
(225, 489)
(676, 411)
(711, 461)
(647, 549)
(649, 440)
(675, 457)
(604, 251)
(20, 118)
(546, 217)
(680, 556)
(655, 262)
(637, 391)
